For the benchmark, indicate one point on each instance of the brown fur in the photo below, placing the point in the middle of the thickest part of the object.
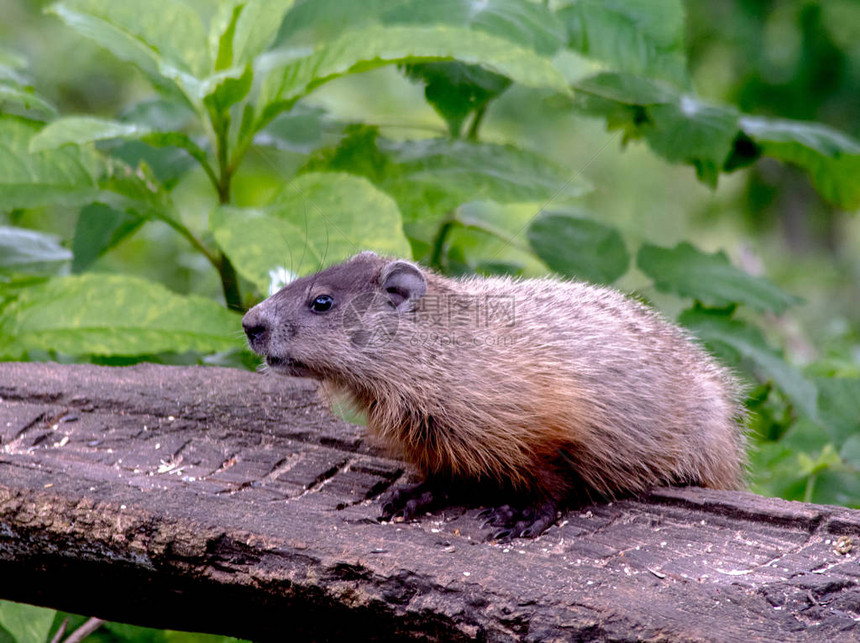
(583, 386)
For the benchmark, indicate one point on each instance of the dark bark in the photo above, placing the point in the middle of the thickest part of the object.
(230, 502)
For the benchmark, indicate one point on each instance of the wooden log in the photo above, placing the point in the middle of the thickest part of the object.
(230, 502)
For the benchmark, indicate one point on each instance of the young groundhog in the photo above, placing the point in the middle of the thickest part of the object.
(540, 389)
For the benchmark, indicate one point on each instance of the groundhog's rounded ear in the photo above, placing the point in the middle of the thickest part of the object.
(404, 283)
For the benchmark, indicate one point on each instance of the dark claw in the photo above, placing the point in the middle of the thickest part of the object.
(502, 516)
(527, 522)
(408, 502)
(503, 536)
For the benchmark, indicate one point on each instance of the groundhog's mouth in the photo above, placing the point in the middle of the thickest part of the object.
(288, 366)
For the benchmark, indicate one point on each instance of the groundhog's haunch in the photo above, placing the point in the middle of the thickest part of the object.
(540, 389)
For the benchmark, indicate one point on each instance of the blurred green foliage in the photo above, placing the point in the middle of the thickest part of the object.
(20, 623)
(186, 158)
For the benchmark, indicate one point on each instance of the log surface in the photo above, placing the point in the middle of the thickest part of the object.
(230, 502)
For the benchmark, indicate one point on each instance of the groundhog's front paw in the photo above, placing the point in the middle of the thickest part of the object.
(408, 502)
(519, 522)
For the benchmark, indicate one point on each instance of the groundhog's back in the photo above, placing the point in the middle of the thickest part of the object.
(542, 375)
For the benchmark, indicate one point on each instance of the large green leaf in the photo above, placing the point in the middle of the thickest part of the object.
(342, 215)
(316, 220)
(266, 250)
(26, 623)
(524, 23)
(831, 158)
(165, 39)
(65, 176)
(31, 252)
(714, 138)
(100, 228)
(79, 130)
(709, 278)
(15, 90)
(101, 314)
(374, 46)
(690, 131)
(256, 27)
(626, 89)
(644, 37)
(137, 192)
(302, 129)
(455, 89)
(736, 341)
(430, 177)
(83, 129)
(576, 246)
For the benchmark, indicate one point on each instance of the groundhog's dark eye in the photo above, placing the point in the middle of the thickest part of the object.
(322, 303)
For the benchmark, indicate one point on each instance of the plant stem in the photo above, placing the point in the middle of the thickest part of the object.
(229, 279)
(194, 241)
(810, 487)
(441, 238)
(230, 284)
(472, 134)
(90, 626)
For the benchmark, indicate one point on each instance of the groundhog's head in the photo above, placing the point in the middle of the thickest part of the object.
(326, 324)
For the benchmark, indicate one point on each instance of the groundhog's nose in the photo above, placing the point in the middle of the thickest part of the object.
(256, 329)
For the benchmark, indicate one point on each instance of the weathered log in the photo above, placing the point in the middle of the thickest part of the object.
(223, 501)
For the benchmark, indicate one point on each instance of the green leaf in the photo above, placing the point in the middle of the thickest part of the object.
(26, 623)
(165, 39)
(575, 246)
(257, 26)
(101, 314)
(679, 127)
(158, 114)
(16, 90)
(484, 237)
(267, 250)
(16, 94)
(333, 210)
(712, 138)
(688, 130)
(221, 30)
(316, 220)
(83, 129)
(375, 46)
(734, 340)
(455, 90)
(839, 406)
(86, 129)
(524, 23)
(168, 164)
(643, 37)
(430, 177)
(831, 158)
(99, 229)
(31, 252)
(136, 191)
(229, 92)
(299, 130)
(626, 89)
(27, 180)
(710, 278)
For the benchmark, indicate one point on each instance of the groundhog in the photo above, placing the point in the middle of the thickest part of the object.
(540, 390)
